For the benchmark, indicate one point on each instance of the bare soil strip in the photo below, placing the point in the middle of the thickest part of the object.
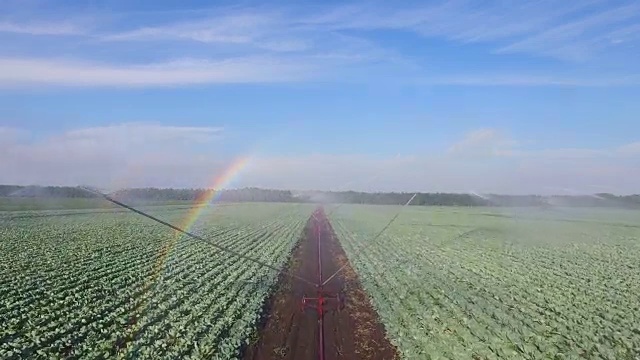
(289, 332)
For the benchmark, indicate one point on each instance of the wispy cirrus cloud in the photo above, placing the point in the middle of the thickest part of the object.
(238, 28)
(568, 30)
(293, 43)
(577, 39)
(139, 133)
(534, 79)
(17, 72)
(341, 67)
(246, 30)
(114, 140)
(41, 28)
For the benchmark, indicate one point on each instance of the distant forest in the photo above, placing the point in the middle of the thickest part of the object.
(353, 197)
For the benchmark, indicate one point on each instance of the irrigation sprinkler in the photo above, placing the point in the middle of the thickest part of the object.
(322, 302)
(325, 300)
(197, 237)
(384, 228)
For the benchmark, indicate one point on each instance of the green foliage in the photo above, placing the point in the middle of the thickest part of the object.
(112, 284)
(483, 284)
(30, 203)
(352, 197)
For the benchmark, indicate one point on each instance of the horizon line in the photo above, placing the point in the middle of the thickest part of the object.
(474, 194)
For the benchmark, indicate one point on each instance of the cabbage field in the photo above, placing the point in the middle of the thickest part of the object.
(511, 283)
(96, 284)
(447, 283)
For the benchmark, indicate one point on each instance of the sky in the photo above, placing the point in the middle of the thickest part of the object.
(513, 97)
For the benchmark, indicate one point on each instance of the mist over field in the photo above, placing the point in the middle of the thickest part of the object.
(16, 196)
(143, 155)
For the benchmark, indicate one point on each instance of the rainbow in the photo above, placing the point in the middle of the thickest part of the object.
(219, 182)
(201, 203)
(211, 193)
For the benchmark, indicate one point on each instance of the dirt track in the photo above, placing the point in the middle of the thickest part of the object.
(353, 332)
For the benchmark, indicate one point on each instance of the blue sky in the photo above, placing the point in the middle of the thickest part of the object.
(497, 96)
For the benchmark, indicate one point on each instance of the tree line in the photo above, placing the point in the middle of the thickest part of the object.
(354, 197)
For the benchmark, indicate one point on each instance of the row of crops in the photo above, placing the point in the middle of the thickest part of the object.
(474, 284)
(104, 284)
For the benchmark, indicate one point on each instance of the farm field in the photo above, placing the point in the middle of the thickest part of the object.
(42, 204)
(479, 283)
(98, 283)
(445, 282)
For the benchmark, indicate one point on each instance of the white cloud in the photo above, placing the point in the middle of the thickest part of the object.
(539, 79)
(438, 174)
(623, 35)
(16, 72)
(10, 134)
(114, 139)
(567, 30)
(630, 149)
(299, 43)
(270, 31)
(571, 31)
(286, 45)
(483, 143)
(232, 28)
(130, 155)
(110, 143)
(140, 133)
(30, 28)
(575, 40)
(567, 153)
(328, 66)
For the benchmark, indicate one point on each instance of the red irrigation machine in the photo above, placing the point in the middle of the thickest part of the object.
(322, 302)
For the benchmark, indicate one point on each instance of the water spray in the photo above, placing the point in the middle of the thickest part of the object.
(322, 302)
(372, 240)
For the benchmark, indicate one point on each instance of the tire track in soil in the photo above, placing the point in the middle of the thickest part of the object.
(289, 333)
